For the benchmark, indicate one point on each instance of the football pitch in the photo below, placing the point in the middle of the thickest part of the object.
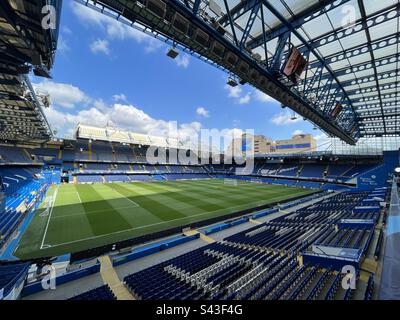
(73, 218)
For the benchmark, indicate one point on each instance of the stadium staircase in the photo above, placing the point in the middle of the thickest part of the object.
(255, 221)
(326, 172)
(28, 156)
(300, 170)
(114, 153)
(348, 170)
(110, 278)
(202, 235)
(90, 153)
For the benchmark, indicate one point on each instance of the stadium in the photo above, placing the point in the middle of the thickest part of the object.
(116, 214)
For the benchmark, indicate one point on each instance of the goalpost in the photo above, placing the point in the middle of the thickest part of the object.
(49, 202)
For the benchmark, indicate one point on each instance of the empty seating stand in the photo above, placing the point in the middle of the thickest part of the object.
(261, 262)
(21, 192)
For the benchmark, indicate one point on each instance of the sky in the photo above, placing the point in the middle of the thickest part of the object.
(107, 73)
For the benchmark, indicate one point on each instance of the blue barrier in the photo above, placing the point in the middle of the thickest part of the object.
(356, 224)
(217, 228)
(239, 221)
(226, 225)
(370, 202)
(36, 287)
(264, 213)
(372, 209)
(333, 262)
(152, 248)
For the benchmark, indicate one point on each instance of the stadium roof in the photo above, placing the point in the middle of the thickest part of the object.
(21, 111)
(345, 54)
(350, 46)
(25, 44)
(356, 39)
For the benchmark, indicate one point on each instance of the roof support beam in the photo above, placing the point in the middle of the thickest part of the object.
(237, 11)
(362, 25)
(318, 9)
(388, 40)
(249, 25)
(305, 42)
(231, 23)
(280, 49)
(363, 66)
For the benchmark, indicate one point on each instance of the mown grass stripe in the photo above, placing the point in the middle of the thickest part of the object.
(158, 209)
(101, 222)
(193, 198)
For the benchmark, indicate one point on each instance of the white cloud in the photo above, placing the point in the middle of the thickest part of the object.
(119, 97)
(284, 118)
(63, 94)
(233, 92)
(245, 99)
(100, 46)
(238, 94)
(236, 123)
(261, 96)
(66, 30)
(182, 60)
(296, 132)
(62, 45)
(203, 112)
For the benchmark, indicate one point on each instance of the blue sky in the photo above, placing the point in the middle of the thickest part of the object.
(108, 73)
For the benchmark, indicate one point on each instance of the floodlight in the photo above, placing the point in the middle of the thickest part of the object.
(232, 82)
(172, 53)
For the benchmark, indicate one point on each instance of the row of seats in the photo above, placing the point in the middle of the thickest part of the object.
(14, 178)
(106, 168)
(11, 275)
(318, 171)
(16, 206)
(28, 184)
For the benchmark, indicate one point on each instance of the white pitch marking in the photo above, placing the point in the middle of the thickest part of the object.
(136, 205)
(79, 197)
(49, 218)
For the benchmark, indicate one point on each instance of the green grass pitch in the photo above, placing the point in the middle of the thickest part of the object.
(73, 218)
